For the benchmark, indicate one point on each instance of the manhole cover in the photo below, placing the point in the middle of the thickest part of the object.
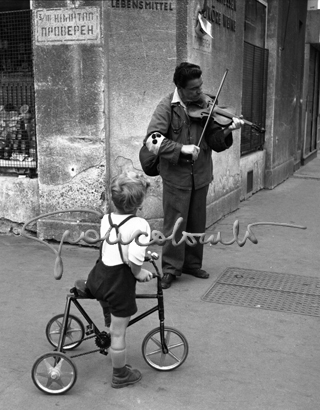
(266, 290)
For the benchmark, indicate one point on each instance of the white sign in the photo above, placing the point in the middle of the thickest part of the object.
(67, 26)
(206, 27)
(313, 4)
(202, 43)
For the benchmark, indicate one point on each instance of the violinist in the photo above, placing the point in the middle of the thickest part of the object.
(186, 168)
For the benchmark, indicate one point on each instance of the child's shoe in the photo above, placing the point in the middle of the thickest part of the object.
(125, 376)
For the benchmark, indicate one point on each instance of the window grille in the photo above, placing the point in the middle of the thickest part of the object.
(18, 151)
(254, 89)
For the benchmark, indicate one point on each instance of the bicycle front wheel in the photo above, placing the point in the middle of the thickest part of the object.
(177, 349)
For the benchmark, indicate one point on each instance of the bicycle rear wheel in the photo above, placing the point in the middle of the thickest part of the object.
(54, 373)
(75, 331)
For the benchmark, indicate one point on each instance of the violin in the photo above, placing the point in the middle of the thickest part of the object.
(221, 115)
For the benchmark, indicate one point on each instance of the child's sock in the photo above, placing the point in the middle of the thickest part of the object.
(123, 375)
(118, 358)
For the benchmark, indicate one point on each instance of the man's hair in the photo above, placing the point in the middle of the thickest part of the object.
(128, 191)
(185, 72)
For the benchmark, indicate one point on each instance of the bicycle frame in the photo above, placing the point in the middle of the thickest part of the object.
(92, 328)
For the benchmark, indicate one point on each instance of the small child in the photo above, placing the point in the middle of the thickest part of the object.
(113, 280)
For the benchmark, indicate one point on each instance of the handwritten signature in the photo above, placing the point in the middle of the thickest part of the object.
(92, 237)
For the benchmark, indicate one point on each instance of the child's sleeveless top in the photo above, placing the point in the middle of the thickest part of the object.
(114, 284)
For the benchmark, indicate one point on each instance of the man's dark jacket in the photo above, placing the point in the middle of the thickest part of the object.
(179, 129)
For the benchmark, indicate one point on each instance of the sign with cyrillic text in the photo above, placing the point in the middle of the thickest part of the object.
(67, 26)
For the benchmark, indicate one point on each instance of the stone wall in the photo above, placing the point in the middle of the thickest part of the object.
(142, 57)
(286, 41)
(99, 77)
(224, 51)
(19, 202)
(70, 104)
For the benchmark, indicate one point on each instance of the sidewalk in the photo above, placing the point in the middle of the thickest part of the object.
(239, 358)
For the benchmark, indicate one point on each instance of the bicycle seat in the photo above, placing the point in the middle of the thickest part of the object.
(80, 289)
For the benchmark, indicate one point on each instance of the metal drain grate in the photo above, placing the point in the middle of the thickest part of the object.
(266, 290)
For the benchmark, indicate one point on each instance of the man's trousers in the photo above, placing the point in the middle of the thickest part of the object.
(191, 206)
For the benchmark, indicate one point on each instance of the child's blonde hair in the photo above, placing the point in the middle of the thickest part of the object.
(128, 191)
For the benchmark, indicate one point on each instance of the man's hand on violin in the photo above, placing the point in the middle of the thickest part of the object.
(236, 123)
(191, 150)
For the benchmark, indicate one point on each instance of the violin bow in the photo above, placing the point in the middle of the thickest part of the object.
(212, 107)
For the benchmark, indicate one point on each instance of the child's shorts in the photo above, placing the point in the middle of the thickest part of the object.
(115, 285)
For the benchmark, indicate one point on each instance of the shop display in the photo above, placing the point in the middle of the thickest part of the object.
(17, 137)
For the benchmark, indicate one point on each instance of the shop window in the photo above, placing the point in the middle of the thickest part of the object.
(254, 82)
(17, 111)
(255, 22)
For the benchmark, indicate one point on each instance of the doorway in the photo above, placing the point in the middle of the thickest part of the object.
(254, 81)
(312, 105)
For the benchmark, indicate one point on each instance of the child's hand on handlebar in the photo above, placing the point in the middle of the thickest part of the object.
(144, 276)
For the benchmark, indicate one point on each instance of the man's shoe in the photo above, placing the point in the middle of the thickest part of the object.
(166, 280)
(198, 273)
(125, 377)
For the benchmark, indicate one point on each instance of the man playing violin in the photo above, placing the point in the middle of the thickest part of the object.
(185, 167)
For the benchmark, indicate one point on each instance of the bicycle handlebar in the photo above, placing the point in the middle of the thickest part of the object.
(151, 257)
